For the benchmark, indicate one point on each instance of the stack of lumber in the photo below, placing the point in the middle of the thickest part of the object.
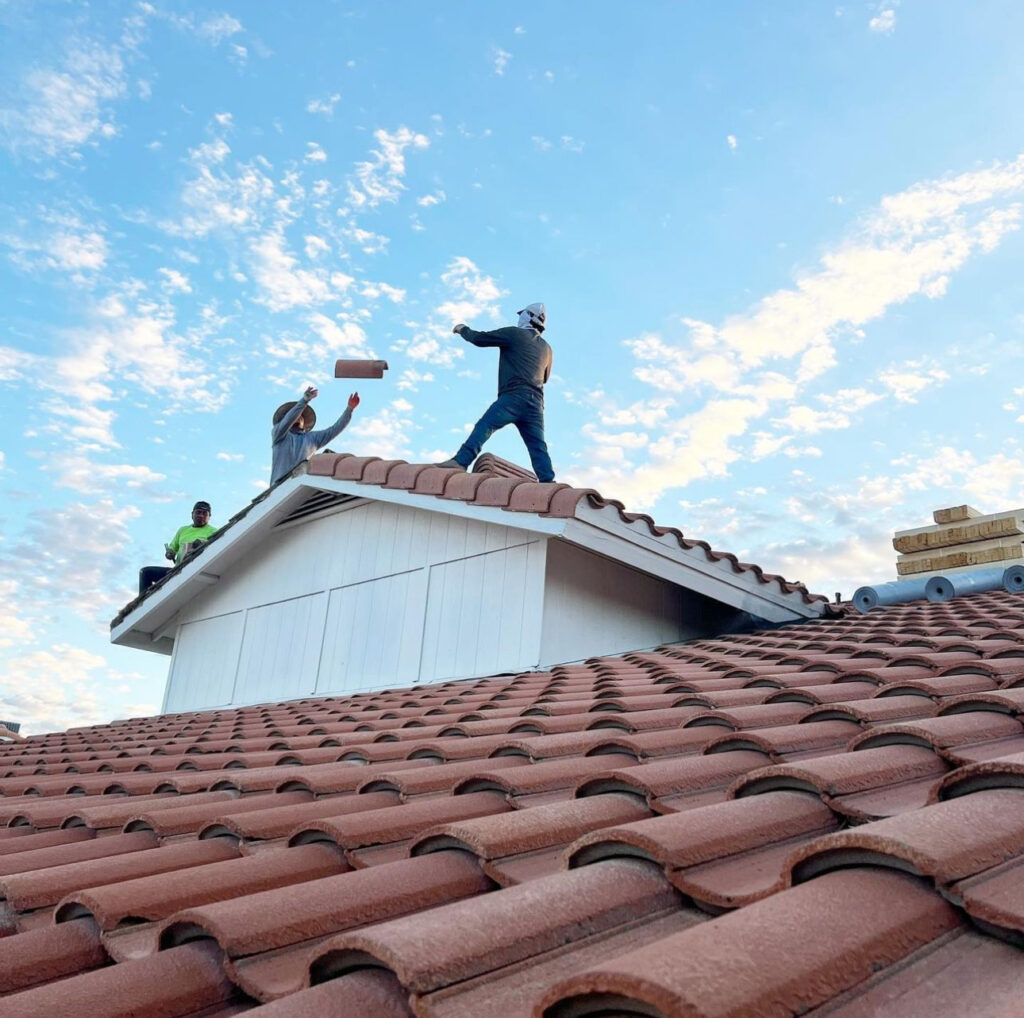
(961, 540)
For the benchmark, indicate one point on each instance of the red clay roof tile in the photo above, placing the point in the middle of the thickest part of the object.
(180, 982)
(397, 823)
(786, 954)
(373, 993)
(49, 953)
(865, 765)
(502, 928)
(39, 888)
(78, 852)
(159, 895)
(947, 841)
(530, 830)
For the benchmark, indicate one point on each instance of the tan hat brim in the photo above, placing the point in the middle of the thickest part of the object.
(308, 415)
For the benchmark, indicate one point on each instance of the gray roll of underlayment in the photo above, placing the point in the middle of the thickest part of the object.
(866, 598)
(359, 369)
(942, 588)
(1013, 579)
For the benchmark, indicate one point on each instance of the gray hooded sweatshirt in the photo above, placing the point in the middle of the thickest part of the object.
(290, 448)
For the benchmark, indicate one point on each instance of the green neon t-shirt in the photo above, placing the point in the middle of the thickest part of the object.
(186, 534)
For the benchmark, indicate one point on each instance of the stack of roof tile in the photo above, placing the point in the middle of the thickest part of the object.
(821, 819)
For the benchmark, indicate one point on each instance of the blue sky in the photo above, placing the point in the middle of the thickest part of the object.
(779, 244)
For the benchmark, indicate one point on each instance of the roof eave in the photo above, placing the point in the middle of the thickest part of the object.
(150, 625)
(602, 528)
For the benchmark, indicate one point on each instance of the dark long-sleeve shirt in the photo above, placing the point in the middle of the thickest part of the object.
(290, 448)
(525, 357)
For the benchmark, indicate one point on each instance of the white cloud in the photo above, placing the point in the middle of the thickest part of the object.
(314, 153)
(59, 241)
(908, 381)
(842, 537)
(884, 23)
(379, 178)
(216, 199)
(315, 246)
(50, 690)
(571, 144)
(501, 58)
(431, 199)
(15, 365)
(410, 380)
(230, 457)
(61, 109)
(15, 628)
(89, 477)
(284, 284)
(67, 556)
(339, 338)
(386, 433)
(909, 246)
(375, 290)
(368, 241)
(218, 27)
(325, 106)
(473, 291)
(731, 141)
(838, 412)
(469, 294)
(175, 281)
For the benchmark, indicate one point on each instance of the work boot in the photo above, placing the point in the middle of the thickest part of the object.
(451, 465)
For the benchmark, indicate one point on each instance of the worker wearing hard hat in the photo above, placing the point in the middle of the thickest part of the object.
(524, 366)
(293, 437)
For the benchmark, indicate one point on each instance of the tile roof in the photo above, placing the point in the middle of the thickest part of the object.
(825, 818)
(493, 483)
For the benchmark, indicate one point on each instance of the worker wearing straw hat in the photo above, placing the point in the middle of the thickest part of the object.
(294, 439)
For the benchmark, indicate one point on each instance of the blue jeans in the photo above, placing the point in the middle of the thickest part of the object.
(523, 407)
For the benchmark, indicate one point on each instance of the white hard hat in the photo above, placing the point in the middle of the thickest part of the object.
(533, 316)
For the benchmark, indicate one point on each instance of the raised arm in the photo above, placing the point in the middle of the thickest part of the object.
(324, 435)
(498, 337)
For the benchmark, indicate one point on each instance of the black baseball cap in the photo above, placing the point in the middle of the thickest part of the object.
(202, 505)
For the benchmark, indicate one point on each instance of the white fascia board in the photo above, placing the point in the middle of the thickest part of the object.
(602, 530)
(529, 522)
(148, 626)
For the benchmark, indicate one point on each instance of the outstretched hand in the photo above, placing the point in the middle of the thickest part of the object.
(458, 328)
(311, 393)
(353, 401)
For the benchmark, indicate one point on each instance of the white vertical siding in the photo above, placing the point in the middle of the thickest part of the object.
(204, 663)
(373, 595)
(595, 606)
(373, 634)
(280, 649)
(483, 614)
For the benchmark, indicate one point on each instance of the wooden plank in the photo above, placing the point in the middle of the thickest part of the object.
(960, 559)
(951, 537)
(954, 514)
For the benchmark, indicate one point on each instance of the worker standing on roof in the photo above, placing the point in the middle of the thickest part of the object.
(293, 438)
(524, 366)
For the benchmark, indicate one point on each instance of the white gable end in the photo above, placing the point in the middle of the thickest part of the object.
(330, 587)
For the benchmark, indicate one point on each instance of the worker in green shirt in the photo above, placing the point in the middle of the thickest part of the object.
(186, 537)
